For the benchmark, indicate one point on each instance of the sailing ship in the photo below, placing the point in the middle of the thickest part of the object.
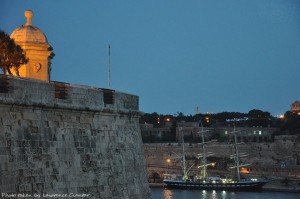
(205, 182)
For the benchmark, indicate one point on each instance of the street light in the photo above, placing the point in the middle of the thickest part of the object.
(168, 164)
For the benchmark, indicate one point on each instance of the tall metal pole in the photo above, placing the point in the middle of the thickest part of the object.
(109, 66)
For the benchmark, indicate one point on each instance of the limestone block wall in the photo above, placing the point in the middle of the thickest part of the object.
(55, 94)
(78, 145)
(264, 158)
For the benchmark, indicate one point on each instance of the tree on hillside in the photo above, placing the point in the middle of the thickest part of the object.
(11, 55)
(259, 118)
(256, 113)
(291, 122)
(150, 118)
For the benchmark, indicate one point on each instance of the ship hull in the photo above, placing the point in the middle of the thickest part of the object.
(237, 186)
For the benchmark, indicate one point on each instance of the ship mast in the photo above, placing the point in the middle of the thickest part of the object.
(185, 177)
(204, 154)
(236, 157)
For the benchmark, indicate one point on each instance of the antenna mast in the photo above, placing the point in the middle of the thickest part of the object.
(109, 66)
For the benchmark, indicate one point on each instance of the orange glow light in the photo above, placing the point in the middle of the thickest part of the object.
(244, 170)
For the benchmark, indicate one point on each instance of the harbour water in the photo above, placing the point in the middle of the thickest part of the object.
(161, 193)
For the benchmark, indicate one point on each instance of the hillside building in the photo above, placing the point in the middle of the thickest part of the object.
(295, 107)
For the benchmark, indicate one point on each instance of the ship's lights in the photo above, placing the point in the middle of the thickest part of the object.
(244, 170)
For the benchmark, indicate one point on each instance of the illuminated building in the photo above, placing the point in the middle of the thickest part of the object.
(295, 107)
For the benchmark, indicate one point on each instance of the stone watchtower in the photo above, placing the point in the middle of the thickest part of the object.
(34, 42)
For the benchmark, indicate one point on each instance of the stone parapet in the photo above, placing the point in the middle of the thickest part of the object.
(30, 92)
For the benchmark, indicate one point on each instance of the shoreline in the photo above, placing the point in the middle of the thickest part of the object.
(267, 188)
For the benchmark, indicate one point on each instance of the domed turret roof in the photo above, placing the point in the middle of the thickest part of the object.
(28, 33)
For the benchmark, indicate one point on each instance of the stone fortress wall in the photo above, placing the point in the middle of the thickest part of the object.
(57, 138)
(277, 159)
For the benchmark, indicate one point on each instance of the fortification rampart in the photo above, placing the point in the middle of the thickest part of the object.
(277, 159)
(21, 91)
(63, 139)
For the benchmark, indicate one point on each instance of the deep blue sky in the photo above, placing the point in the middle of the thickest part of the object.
(231, 55)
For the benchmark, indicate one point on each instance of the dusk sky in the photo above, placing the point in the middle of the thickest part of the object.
(218, 55)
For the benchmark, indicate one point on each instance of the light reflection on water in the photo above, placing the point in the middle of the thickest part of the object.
(167, 194)
(160, 193)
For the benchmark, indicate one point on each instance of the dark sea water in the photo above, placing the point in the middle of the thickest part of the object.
(161, 193)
